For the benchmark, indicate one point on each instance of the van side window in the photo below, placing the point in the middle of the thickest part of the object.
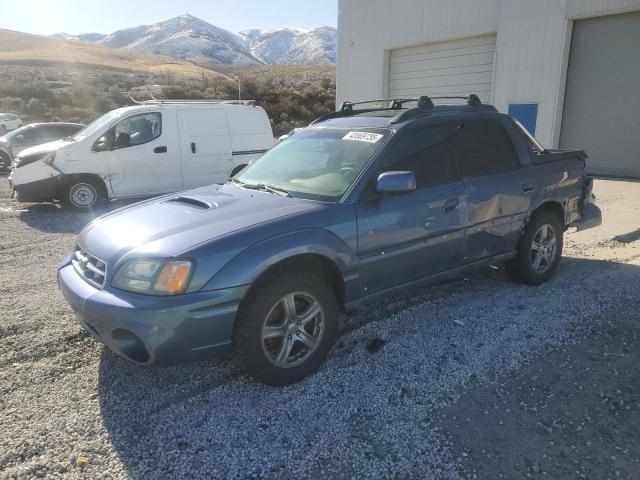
(137, 130)
(427, 153)
(483, 148)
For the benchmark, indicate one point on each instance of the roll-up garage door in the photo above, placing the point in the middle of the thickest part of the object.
(602, 96)
(456, 67)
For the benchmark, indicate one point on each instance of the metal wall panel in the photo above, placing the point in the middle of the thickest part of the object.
(457, 67)
(602, 101)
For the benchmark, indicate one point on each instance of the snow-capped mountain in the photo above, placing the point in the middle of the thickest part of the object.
(187, 37)
(85, 37)
(293, 46)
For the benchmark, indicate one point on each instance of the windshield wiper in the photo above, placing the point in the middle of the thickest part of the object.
(70, 138)
(264, 186)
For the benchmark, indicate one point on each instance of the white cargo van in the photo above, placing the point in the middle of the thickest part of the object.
(151, 148)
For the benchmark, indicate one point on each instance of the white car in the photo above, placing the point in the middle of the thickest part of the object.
(8, 122)
(148, 149)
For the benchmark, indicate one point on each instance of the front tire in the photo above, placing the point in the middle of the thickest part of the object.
(83, 193)
(287, 327)
(5, 162)
(539, 250)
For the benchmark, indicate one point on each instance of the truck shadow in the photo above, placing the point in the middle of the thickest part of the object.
(210, 419)
(58, 218)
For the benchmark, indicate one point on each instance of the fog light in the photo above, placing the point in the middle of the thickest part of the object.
(130, 345)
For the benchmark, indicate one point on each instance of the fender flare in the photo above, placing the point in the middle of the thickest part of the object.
(247, 266)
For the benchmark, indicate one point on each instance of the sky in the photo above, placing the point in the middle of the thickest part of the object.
(45, 17)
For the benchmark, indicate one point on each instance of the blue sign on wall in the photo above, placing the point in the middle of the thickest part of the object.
(526, 114)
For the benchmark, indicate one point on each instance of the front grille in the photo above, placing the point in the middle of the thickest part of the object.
(91, 268)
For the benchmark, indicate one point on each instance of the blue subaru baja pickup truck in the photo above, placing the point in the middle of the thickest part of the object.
(362, 203)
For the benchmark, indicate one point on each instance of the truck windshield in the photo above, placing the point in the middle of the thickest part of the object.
(96, 125)
(316, 163)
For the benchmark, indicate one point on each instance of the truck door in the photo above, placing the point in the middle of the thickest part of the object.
(205, 146)
(499, 191)
(408, 236)
(144, 157)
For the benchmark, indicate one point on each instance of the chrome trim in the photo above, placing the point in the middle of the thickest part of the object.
(84, 262)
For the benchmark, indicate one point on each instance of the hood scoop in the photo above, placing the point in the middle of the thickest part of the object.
(194, 202)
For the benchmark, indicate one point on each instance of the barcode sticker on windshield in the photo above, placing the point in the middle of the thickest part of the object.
(363, 137)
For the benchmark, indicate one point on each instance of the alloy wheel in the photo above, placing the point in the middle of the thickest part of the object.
(543, 248)
(293, 329)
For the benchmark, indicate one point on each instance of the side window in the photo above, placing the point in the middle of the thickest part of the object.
(30, 133)
(483, 148)
(427, 153)
(137, 130)
(60, 131)
(48, 132)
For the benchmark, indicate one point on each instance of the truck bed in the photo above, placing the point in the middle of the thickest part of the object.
(556, 155)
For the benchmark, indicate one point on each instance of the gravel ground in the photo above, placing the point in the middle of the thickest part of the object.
(407, 381)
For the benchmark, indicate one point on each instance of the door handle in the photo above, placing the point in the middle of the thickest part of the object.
(527, 187)
(450, 205)
(162, 149)
(193, 147)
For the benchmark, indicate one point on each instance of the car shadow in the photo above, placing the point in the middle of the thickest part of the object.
(189, 420)
(54, 217)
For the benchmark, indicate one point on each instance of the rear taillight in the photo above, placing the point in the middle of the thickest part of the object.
(587, 190)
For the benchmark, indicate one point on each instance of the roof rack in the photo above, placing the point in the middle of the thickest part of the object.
(346, 109)
(425, 106)
(472, 100)
(160, 101)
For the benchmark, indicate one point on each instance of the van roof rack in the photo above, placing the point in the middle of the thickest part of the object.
(160, 101)
(425, 106)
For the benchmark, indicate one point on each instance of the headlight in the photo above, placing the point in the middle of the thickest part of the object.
(23, 161)
(154, 277)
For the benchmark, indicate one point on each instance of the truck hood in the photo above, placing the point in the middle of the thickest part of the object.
(168, 226)
(43, 149)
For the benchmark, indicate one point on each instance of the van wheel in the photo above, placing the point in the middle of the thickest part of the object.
(539, 250)
(286, 328)
(83, 193)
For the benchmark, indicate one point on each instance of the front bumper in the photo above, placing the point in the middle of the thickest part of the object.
(45, 189)
(154, 330)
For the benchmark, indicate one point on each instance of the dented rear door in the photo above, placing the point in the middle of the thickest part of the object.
(499, 188)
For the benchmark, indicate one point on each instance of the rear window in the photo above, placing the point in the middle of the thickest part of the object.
(427, 153)
(483, 148)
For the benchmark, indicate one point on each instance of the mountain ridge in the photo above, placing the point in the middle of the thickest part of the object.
(190, 38)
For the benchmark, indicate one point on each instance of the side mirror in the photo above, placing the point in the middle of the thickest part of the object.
(396, 182)
(101, 144)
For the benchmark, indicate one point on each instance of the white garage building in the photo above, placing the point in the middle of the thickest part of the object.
(568, 69)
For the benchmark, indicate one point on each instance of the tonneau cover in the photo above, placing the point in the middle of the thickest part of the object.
(556, 155)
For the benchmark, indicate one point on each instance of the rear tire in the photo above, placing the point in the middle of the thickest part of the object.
(286, 328)
(539, 250)
(83, 193)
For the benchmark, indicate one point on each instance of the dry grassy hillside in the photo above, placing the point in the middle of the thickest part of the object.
(294, 74)
(18, 48)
